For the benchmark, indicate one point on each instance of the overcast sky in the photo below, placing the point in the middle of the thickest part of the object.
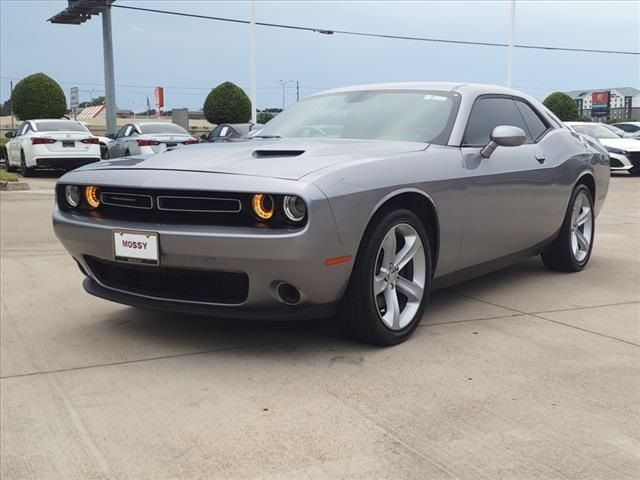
(190, 56)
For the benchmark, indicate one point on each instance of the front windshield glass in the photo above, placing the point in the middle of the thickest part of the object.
(595, 131)
(414, 116)
(162, 128)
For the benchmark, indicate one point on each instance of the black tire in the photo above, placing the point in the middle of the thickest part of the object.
(127, 153)
(104, 152)
(8, 166)
(635, 171)
(359, 311)
(24, 170)
(559, 256)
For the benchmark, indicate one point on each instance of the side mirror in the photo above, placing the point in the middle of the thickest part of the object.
(111, 136)
(10, 134)
(503, 136)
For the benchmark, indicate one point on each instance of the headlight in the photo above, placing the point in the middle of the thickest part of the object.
(72, 195)
(263, 206)
(92, 196)
(294, 208)
(619, 151)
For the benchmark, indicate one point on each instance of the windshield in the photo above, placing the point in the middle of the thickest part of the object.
(60, 126)
(596, 131)
(415, 116)
(162, 128)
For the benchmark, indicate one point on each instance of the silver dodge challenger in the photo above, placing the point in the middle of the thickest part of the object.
(357, 201)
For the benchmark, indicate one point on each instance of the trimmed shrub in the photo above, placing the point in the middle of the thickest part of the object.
(563, 106)
(227, 103)
(38, 96)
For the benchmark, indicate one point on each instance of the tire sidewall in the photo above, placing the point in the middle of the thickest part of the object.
(364, 271)
(566, 231)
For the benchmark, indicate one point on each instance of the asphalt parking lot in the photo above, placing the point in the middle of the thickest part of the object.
(520, 374)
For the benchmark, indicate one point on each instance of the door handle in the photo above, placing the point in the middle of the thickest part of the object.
(540, 158)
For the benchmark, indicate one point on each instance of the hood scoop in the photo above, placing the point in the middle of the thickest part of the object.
(276, 153)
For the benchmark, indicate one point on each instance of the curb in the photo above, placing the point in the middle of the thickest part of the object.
(13, 186)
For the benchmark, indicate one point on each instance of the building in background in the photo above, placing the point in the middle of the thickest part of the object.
(608, 103)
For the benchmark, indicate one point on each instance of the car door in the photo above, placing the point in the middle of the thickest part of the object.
(506, 195)
(13, 145)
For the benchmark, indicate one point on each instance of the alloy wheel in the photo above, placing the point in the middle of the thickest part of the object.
(400, 276)
(581, 227)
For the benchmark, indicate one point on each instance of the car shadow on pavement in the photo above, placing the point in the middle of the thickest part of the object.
(204, 333)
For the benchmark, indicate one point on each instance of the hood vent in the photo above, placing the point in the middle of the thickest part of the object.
(276, 153)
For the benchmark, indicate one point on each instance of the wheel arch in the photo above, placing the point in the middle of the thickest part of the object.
(419, 203)
(587, 179)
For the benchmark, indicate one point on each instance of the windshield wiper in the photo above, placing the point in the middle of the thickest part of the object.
(266, 136)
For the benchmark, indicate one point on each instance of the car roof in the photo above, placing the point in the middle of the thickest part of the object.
(465, 88)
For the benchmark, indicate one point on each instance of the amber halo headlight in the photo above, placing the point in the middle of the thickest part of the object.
(294, 208)
(263, 206)
(92, 196)
(72, 195)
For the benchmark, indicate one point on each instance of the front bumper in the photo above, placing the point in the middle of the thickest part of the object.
(268, 257)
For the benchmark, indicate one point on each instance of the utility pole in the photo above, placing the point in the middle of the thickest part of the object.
(297, 90)
(11, 106)
(512, 33)
(284, 85)
(252, 29)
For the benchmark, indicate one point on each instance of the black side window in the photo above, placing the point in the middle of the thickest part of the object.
(535, 124)
(120, 133)
(214, 133)
(488, 113)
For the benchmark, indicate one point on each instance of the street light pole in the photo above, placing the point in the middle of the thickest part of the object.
(109, 75)
(252, 28)
(512, 33)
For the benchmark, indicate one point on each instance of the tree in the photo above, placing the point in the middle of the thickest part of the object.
(92, 103)
(5, 109)
(227, 103)
(38, 96)
(264, 117)
(563, 106)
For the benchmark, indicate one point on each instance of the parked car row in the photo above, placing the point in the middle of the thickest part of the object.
(624, 153)
(67, 144)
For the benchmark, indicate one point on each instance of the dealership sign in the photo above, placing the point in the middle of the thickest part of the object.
(159, 93)
(600, 104)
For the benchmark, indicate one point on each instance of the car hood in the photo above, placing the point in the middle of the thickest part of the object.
(628, 144)
(278, 158)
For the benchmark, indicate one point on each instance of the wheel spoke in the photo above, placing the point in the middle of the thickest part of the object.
(379, 282)
(582, 240)
(389, 246)
(411, 247)
(583, 216)
(392, 316)
(412, 290)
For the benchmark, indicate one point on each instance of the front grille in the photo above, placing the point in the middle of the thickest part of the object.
(210, 286)
(177, 207)
(614, 162)
(634, 157)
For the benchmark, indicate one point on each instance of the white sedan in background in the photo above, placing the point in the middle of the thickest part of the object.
(624, 152)
(148, 138)
(54, 143)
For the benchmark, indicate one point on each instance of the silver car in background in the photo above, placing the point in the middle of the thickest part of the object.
(624, 152)
(148, 138)
(358, 200)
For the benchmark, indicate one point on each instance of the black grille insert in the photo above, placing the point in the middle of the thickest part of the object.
(210, 286)
(199, 204)
(129, 200)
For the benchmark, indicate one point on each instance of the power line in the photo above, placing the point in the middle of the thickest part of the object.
(376, 35)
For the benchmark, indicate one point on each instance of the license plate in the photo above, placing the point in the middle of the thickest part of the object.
(68, 143)
(169, 145)
(136, 247)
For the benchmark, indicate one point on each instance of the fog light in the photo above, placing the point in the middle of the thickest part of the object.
(263, 206)
(294, 208)
(92, 196)
(72, 195)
